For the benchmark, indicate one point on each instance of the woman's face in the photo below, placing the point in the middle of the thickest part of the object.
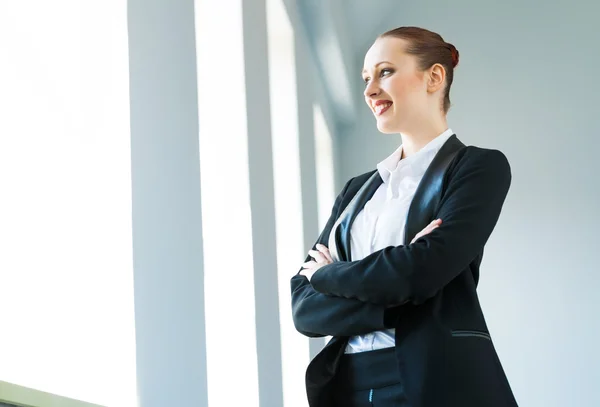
(395, 89)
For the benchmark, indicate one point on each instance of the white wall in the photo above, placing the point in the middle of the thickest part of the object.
(526, 85)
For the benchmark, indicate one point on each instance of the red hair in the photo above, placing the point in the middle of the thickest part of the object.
(429, 48)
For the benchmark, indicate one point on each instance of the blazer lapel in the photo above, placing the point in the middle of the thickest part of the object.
(421, 211)
(429, 192)
(339, 238)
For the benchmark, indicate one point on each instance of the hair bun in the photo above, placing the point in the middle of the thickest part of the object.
(455, 55)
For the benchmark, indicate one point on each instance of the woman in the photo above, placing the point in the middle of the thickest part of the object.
(393, 275)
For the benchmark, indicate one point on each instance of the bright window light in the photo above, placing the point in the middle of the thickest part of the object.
(228, 269)
(324, 163)
(288, 198)
(325, 170)
(66, 276)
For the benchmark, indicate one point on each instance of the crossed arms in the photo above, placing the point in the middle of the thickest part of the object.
(351, 298)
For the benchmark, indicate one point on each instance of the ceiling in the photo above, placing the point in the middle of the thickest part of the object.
(367, 19)
(339, 33)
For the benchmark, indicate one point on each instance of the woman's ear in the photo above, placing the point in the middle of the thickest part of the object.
(436, 78)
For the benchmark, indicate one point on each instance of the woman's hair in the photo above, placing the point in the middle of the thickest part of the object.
(429, 48)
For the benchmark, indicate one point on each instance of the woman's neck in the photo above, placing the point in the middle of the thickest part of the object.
(413, 141)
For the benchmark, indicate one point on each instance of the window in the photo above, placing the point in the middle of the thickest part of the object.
(324, 163)
(288, 198)
(65, 241)
(227, 234)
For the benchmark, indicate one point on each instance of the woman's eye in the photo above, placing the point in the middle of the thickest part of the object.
(386, 71)
(382, 73)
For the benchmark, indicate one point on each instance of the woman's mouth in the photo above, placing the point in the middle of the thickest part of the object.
(382, 108)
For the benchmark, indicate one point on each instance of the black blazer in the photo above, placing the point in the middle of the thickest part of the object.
(425, 290)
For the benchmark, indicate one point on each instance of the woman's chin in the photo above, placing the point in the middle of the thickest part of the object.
(385, 126)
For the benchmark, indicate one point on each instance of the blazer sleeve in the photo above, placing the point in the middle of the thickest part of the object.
(316, 314)
(396, 275)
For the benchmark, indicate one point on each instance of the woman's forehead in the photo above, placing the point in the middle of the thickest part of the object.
(388, 49)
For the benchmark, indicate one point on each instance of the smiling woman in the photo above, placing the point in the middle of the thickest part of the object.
(394, 70)
(393, 275)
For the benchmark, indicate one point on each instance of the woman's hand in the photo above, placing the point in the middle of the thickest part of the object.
(321, 257)
(428, 229)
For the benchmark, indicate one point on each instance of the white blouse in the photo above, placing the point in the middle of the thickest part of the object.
(382, 221)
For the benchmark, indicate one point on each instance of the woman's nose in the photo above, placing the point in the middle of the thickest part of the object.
(372, 89)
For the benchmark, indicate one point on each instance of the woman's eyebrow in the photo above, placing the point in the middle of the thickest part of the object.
(376, 65)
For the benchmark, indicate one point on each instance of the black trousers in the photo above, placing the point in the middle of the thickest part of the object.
(369, 379)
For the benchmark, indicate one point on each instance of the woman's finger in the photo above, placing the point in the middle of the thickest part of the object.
(435, 222)
(323, 249)
(317, 255)
(308, 273)
(428, 229)
(309, 264)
